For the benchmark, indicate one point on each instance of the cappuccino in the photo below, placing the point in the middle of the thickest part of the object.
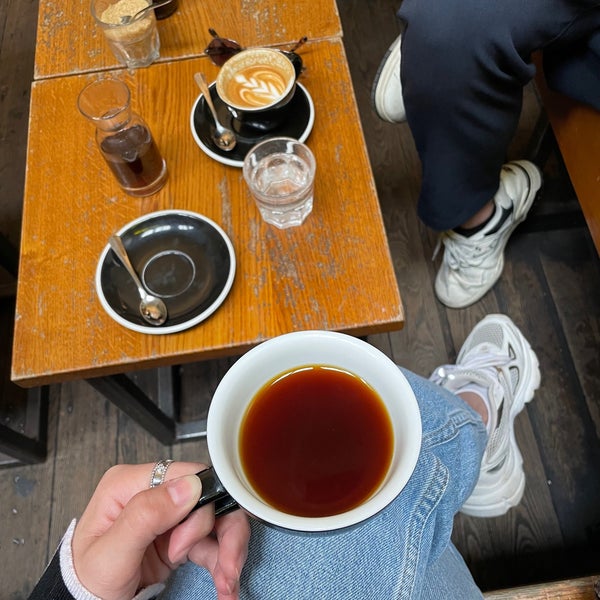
(256, 86)
(256, 79)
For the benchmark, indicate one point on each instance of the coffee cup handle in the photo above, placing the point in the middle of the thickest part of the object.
(214, 491)
(296, 61)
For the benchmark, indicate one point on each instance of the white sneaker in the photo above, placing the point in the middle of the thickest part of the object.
(472, 265)
(386, 94)
(497, 357)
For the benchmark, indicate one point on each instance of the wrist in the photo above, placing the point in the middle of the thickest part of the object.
(67, 568)
(72, 583)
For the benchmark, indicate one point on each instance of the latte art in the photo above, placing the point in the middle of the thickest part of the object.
(256, 86)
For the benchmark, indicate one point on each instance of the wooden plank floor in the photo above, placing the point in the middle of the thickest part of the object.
(550, 287)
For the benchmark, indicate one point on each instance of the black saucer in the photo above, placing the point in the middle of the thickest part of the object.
(298, 125)
(180, 256)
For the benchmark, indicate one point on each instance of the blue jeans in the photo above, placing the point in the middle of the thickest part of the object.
(404, 552)
(464, 66)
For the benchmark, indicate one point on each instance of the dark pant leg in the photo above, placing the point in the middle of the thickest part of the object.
(464, 65)
(574, 69)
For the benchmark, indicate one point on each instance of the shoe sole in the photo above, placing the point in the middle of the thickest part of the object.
(534, 175)
(483, 503)
(384, 73)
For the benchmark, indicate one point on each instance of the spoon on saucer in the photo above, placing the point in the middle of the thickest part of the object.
(152, 309)
(126, 19)
(224, 138)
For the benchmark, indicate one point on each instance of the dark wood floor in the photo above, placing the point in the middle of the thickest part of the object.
(550, 287)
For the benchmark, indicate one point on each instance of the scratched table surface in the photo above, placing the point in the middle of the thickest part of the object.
(70, 42)
(334, 272)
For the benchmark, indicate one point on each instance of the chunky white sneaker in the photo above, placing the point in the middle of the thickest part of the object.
(496, 357)
(386, 94)
(472, 265)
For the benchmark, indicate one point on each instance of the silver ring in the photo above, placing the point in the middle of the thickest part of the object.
(159, 472)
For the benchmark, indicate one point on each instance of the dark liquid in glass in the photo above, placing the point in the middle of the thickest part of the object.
(133, 157)
(162, 12)
(316, 441)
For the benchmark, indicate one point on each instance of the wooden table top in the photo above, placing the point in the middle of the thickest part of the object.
(70, 42)
(334, 272)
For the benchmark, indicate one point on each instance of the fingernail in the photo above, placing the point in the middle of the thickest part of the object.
(184, 489)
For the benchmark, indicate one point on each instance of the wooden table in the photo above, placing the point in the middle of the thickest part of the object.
(334, 272)
(576, 127)
(70, 42)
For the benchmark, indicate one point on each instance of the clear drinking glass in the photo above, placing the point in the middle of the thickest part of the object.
(280, 173)
(123, 137)
(135, 44)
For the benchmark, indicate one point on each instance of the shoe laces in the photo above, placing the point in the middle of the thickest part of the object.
(483, 366)
(462, 251)
(488, 370)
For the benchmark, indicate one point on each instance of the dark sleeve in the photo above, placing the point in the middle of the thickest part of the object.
(51, 586)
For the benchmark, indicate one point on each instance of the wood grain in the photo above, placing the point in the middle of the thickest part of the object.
(571, 589)
(530, 542)
(566, 436)
(283, 281)
(576, 127)
(578, 313)
(548, 288)
(69, 41)
(27, 504)
(17, 51)
(86, 444)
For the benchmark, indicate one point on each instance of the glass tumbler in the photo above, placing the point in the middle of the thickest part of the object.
(124, 139)
(135, 44)
(280, 173)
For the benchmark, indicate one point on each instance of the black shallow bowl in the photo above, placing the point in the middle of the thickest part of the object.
(180, 256)
(298, 124)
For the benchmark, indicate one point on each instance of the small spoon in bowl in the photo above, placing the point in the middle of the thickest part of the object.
(152, 309)
(126, 19)
(224, 138)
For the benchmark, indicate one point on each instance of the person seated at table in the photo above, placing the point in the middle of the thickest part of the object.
(456, 74)
(131, 539)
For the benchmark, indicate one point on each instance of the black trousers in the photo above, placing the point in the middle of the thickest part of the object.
(464, 66)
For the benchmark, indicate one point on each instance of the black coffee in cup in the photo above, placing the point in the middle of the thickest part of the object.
(316, 441)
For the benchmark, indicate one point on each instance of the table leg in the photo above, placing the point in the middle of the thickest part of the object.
(158, 418)
(30, 446)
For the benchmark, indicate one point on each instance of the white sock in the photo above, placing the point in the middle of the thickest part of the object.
(483, 394)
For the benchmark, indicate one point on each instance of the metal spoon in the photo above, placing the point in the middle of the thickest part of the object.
(126, 19)
(152, 309)
(222, 137)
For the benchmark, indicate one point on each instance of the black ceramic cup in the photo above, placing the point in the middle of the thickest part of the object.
(256, 85)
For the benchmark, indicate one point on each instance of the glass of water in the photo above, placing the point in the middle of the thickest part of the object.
(280, 173)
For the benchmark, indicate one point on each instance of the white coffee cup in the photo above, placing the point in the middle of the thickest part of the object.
(287, 352)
